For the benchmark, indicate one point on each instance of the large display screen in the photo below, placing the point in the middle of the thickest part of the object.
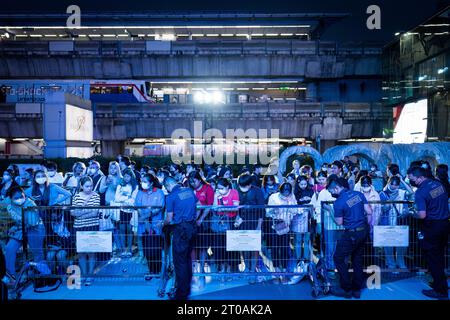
(412, 124)
(79, 124)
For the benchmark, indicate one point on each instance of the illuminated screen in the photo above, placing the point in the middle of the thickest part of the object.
(412, 123)
(79, 124)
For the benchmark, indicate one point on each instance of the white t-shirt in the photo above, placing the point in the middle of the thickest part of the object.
(56, 179)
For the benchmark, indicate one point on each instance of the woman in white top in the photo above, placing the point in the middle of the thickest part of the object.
(391, 215)
(278, 238)
(125, 196)
(371, 195)
(72, 179)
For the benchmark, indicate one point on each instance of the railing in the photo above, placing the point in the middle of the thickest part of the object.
(189, 47)
(238, 110)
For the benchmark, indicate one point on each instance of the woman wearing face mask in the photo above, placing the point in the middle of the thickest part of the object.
(35, 230)
(8, 182)
(86, 220)
(149, 235)
(269, 186)
(370, 194)
(303, 194)
(225, 196)
(391, 215)
(278, 241)
(45, 194)
(125, 196)
(321, 182)
(96, 174)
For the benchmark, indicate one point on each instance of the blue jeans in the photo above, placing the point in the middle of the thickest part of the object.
(302, 240)
(35, 237)
(331, 238)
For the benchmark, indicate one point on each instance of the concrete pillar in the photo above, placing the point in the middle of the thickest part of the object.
(68, 126)
(326, 144)
(311, 91)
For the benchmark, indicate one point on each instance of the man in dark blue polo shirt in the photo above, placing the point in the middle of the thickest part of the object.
(431, 201)
(353, 212)
(181, 205)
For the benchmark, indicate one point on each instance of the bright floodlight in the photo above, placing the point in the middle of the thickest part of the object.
(199, 97)
(218, 97)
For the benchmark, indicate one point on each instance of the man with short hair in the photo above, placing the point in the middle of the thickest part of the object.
(181, 211)
(256, 175)
(52, 173)
(431, 200)
(350, 209)
(96, 174)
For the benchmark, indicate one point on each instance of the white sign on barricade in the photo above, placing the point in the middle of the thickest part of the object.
(390, 236)
(94, 241)
(243, 240)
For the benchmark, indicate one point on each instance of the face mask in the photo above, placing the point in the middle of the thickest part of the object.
(6, 178)
(366, 189)
(51, 174)
(41, 180)
(144, 185)
(19, 202)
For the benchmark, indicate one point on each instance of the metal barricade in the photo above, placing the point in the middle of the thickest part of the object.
(128, 246)
(393, 244)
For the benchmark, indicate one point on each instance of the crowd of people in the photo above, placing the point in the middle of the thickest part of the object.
(289, 234)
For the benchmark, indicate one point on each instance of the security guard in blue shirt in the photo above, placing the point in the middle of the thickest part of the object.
(431, 200)
(181, 211)
(351, 210)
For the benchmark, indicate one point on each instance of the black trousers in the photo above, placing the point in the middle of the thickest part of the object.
(182, 243)
(152, 247)
(351, 244)
(435, 237)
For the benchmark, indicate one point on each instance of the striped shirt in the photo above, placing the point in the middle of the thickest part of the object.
(79, 201)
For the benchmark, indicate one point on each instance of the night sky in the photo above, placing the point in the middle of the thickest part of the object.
(398, 15)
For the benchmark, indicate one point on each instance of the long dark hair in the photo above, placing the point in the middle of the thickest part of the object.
(35, 186)
(196, 175)
(133, 181)
(267, 177)
(152, 179)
